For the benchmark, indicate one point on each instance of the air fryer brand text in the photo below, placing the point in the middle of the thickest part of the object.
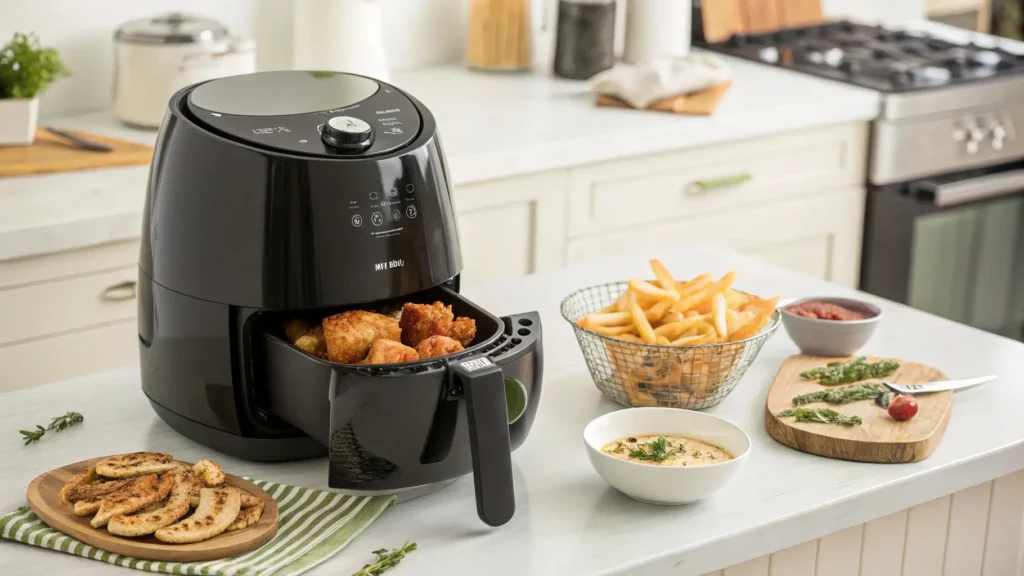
(388, 265)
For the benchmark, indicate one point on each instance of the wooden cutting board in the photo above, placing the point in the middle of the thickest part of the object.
(723, 18)
(51, 153)
(42, 498)
(879, 438)
(701, 103)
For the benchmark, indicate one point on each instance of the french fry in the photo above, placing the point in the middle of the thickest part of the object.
(670, 317)
(640, 320)
(657, 312)
(662, 341)
(718, 307)
(698, 283)
(755, 324)
(650, 291)
(703, 307)
(676, 329)
(613, 330)
(705, 294)
(690, 340)
(629, 337)
(665, 279)
(605, 319)
(691, 314)
(623, 301)
(735, 299)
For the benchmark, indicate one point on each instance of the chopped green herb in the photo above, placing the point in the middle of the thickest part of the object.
(843, 395)
(823, 415)
(696, 453)
(619, 448)
(884, 400)
(654, 450)
(386, 559)
(57, 424)
(852, 371)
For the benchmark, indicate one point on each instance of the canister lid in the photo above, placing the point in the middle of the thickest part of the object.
(171, 28)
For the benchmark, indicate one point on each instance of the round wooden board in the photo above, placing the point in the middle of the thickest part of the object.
(879, 438)
(42, 498)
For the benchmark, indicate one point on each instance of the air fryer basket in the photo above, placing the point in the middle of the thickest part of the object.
(397, 426)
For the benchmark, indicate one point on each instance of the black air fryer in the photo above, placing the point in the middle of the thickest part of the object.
(279, 194)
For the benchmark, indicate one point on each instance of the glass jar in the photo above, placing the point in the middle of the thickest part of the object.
(585, 38)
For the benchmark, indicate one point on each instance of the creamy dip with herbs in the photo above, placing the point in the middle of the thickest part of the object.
(666, 451)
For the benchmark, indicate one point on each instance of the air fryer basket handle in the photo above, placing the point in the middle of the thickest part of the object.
(484, 387)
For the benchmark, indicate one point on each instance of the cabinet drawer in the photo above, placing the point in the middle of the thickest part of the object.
(728, 176)
(67, 356)
(59, 265)
(817, 235)
(60, 306)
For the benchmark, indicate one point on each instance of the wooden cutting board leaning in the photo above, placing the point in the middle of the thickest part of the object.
(43, 498)
(723, 18)
(51, 153)
(879, 438)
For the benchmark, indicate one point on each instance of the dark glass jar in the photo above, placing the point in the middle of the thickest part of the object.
(585, 38)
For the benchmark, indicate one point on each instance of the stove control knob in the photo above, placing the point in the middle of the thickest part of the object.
(347, 134)
(997, 143)
(972, 147)
(959, 134)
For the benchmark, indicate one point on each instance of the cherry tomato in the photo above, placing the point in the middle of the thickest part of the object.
(903, 407)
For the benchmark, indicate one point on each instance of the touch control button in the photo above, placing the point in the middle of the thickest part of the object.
(410, 211)
(357, 220)
(396, 214)
(410, 188)
(377, 218)
(347, 133)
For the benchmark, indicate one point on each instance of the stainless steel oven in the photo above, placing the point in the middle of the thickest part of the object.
(951, 245)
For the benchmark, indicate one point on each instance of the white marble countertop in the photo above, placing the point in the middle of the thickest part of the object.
(492, 125)
(568, 521)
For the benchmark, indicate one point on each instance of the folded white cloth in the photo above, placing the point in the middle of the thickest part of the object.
(643, 84)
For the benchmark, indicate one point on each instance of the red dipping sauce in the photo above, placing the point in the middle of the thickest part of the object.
(825, 311)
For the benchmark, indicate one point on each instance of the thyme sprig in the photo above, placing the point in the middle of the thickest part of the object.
(823, 415)
(58, 424)
(386, 559)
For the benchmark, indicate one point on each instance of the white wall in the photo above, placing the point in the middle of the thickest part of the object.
(420, 33)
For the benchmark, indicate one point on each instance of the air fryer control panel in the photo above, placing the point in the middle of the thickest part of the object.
(309, 113)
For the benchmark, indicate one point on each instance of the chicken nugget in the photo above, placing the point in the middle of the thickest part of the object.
(313, 342)
(463, 329)
(420, 321)
(347, 342)
(295, 329)
(389, 352)
(435, 346)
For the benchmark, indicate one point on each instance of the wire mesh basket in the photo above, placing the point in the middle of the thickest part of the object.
(636, 374)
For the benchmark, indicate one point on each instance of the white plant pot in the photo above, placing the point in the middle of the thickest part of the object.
(18, 117)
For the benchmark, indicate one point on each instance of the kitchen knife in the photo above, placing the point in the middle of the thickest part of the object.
(938, 386)
(79, 141)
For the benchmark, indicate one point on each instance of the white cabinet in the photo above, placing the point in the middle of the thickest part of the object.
(816, 234)
(506, 227)
(67, 314)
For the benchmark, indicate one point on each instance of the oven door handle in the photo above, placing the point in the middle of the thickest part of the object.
(972, 189)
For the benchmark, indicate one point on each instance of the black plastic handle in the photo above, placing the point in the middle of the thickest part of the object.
(483, 384)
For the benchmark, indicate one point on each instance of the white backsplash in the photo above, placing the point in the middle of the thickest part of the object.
(419, 33)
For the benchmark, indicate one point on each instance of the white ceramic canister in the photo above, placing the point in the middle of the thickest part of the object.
(656, 29)
(340, 35)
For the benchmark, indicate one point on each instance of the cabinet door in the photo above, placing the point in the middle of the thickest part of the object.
(818, 235)
(511, 227)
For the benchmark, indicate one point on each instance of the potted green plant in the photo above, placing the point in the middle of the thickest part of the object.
(26, 70)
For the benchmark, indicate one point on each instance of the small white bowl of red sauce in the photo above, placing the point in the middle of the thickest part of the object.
(828, 326)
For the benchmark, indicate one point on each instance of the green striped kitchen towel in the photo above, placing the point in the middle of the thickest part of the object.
(313, 525)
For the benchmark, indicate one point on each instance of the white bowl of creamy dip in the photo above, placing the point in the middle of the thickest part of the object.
(665, 455)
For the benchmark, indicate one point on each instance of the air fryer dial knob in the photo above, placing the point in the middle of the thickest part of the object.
(347, 133)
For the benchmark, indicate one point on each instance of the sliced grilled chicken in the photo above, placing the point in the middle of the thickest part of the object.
(135, 464)
(148, 522)
(98, 490)
(248, 500)
(247, 516)
(210, 472)
(87, 507)
(84, 477)
(145, 490)
(218, 508)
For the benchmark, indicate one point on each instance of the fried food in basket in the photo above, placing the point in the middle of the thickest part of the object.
(421, 321)
(363, 337)
(389, 352)
(669, 312)
(438, 346)
(681, 319)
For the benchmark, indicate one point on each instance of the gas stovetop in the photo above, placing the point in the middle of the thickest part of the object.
(891, 61)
